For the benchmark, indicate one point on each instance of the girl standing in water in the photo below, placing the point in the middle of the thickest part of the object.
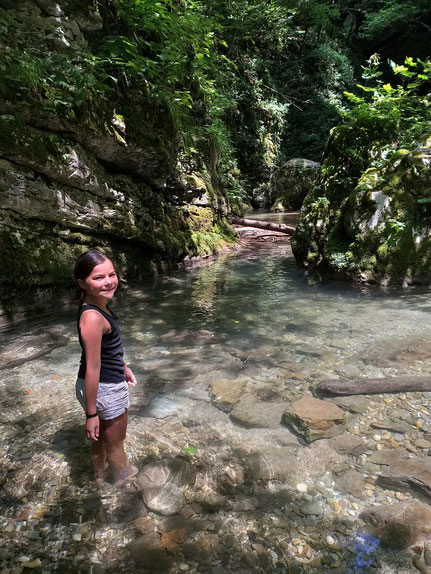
(103, 377)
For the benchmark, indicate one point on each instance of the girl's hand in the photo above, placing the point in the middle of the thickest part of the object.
(130, 377)
(92, 428)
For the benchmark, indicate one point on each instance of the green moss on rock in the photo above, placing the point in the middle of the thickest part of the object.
(369, 222)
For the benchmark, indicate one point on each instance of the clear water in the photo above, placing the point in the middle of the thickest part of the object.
(217, 317)
(252, 315)
(287, 217)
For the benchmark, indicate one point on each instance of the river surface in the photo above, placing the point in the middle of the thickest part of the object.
(252, 318)
(289, 218)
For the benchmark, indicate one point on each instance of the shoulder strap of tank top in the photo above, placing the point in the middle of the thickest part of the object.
(88, 306)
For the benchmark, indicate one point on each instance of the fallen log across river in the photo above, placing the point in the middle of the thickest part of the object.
(282, 227)
(374, 386)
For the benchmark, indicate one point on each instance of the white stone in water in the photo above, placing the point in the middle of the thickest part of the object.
(330, 540)
(301, 487)
(77, 537)
(94, 558)
(377, 437)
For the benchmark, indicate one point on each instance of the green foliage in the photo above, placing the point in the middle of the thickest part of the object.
(244, 84)
(392, 15)
(375, 177)
(42, 75)
(394, 231)
(387, 113)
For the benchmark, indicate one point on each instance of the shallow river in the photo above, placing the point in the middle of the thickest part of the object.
(251, 319)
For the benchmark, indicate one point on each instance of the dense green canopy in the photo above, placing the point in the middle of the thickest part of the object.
(247, 83)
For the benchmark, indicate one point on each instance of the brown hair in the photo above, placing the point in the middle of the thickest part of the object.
(84, 265)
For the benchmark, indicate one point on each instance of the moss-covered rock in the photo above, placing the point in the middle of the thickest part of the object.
(45, 224)
(85, 165)
(290, 184)
(370, 219)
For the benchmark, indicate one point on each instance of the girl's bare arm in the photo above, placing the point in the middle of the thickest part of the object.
(92, 326)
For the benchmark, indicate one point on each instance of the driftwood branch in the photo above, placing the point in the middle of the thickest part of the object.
(283, 228)
(374, 386)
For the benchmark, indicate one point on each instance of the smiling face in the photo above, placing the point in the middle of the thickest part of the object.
(101, 283)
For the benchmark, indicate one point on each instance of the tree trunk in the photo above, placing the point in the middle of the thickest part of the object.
(262, 225)
(374, 386)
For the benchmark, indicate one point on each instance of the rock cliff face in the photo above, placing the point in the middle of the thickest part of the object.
(104, 175)
(373, 225)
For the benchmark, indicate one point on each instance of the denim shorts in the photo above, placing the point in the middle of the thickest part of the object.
(112, 398)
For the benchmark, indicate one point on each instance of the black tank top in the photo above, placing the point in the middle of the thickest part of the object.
(111, 351)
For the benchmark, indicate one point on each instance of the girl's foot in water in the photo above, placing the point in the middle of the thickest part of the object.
(124, 475)
(101, 474)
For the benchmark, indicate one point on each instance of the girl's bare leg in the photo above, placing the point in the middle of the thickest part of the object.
(98, 457)
(114, 433)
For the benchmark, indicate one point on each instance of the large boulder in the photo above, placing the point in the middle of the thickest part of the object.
(290, 184)
(367, 219)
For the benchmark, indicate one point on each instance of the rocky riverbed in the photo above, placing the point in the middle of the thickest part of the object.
(241, 469)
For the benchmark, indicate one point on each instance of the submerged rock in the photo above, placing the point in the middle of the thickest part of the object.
(160, 484)
(388, 456)
(225, 394)
(147, 552)
(348, 444)
(273, 463)
(400, 525)
(314, 419)
(413, 473)
(251, 413)
(350, 482)
(29, 348)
